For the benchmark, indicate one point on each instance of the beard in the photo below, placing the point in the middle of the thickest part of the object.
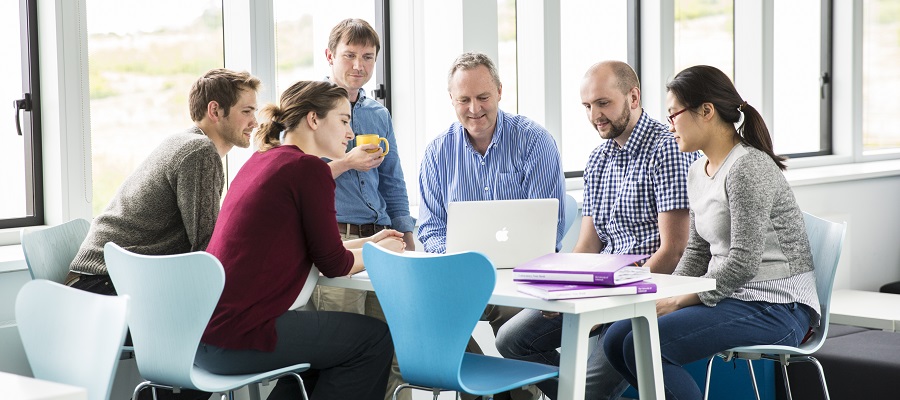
(617, 127)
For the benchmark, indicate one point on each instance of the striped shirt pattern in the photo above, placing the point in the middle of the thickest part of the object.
(521, 162)
(795, 289)
(625, 188)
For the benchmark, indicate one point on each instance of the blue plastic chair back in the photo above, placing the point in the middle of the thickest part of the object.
(432, 304)
(171, 301)
(71, 336)
(50, 251)
(571, 208)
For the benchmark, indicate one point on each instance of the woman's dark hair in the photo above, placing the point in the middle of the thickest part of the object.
(705, 84)
(296, 102)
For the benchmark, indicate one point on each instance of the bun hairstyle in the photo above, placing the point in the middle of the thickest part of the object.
(705, 84)
(296, 102)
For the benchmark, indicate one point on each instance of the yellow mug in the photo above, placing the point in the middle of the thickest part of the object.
(373, 139)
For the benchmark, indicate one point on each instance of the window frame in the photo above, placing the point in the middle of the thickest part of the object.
(826, 77)
(634, 55)
(31, 127)
(382, 25)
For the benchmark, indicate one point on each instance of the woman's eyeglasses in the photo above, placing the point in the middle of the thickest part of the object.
(671, 118)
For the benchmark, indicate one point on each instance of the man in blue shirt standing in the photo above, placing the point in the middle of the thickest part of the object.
(635, 202)
(370, 193)
(487, 155)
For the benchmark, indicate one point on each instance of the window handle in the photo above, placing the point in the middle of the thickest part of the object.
(823, 80)
(22, 104)
(380, 92)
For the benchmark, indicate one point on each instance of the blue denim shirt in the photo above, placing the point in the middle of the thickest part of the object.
(377, 196)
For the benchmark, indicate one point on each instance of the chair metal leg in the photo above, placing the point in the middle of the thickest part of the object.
(299, 381)
(787, 382)
(809, 359)
(753, 379)
(138, 388)
(708, 375)
(821, 376)
(435, 391)
(398, 389)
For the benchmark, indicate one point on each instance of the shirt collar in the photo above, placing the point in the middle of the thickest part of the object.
(635, 142)
(362, 92)
(495, 138)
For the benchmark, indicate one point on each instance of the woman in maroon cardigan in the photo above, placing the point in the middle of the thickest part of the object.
(277, 220)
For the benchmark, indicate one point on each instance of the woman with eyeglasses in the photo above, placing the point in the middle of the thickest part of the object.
(746, 231)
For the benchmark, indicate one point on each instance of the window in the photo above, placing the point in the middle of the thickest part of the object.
(801, 95)
(143, 59)
(301, 37)
(704, 34)
(20, 145)
(583, 45)
(881, 76)
(507, 63)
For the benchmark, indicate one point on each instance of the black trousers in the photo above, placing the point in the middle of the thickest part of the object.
(350, 356)
(102, 284)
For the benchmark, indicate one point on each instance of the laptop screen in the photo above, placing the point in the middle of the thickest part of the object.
(508, 232)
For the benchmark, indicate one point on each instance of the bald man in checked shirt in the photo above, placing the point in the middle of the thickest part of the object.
(635, 202)
(487, 155)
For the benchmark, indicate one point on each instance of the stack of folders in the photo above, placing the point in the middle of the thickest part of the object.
(558, 276)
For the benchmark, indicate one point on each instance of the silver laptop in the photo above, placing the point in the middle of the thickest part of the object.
(508, 232)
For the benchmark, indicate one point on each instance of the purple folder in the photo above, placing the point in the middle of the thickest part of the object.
(583, 268)
(559, 291)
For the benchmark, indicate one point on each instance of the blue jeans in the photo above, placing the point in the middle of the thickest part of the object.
(530, 336)
(699, 332)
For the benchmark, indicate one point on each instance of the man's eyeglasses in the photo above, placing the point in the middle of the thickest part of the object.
(672, 117)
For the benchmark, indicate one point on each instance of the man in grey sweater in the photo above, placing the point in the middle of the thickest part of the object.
(170, 203)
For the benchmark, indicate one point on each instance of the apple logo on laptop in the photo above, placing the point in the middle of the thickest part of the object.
(502, 235)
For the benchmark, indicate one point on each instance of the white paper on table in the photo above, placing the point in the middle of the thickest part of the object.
(360, 275)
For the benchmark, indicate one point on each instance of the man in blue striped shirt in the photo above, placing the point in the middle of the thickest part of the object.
(635, 202)
(487, 155)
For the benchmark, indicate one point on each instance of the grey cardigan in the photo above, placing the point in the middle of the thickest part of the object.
(745, 225)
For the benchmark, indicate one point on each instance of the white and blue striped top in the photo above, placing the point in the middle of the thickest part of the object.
(521, 162)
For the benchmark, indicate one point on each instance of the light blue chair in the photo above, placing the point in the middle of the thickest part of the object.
(826, 239)
(432, 304)
(49, 252)
(171, 301)
(571, 212)
(71, 336)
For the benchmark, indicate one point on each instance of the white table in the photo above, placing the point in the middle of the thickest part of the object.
(24, 388)
(866, 309)
(580, 315)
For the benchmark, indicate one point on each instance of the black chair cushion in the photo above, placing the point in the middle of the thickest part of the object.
(893, 287)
